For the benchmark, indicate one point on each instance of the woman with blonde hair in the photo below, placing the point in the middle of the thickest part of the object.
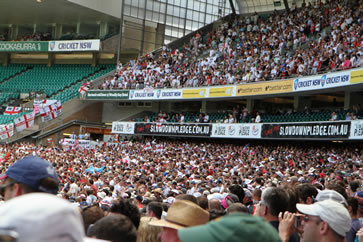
(146, 232)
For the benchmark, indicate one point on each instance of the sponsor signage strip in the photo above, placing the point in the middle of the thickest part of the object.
(179, 129)
(312, 130)
(123, 127)
(75, 45)
(306, 130)
(356, 130)
(116, 95)
(330, 80)
(236, 131)
(265, 88)
(24, 46)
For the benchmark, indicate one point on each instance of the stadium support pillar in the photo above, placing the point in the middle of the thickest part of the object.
(94, 59)
(143, 31)
(78, 28)
(6, 59)
(250, 104)
(296, 103)
(286, 6)
(121, 27)
(204, 106)
(347, 100)
(14, 30)
(57, 31)
(103, 29)
(50, 59)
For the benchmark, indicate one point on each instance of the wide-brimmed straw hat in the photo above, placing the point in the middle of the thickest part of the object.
(182, 214)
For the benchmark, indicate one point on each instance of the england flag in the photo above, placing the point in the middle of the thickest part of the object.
(12, 110)
(50, 112)
(24, 122)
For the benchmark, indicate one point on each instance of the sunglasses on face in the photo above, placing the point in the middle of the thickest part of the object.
(3, 186)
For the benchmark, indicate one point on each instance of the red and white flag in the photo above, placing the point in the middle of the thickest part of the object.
(12, 110)
(83, 89)
(159, 148)
(50, 112)
(24, 122)
(6, 131)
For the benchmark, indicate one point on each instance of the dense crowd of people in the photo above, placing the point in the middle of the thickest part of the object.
(139, 189)
(242, 115)
(37, 36)
(309, 40)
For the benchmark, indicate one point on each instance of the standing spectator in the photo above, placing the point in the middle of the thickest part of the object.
(181, 214)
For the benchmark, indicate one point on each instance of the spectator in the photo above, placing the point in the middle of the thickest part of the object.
(44, 218)
(115, 228)
(324, 221)
(27, 175)
(275, 201)
(356, 223)
(181, 214)
(232, 228)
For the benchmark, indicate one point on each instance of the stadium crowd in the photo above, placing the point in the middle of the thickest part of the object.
(147, 187)
(242, 115)
(316, 38)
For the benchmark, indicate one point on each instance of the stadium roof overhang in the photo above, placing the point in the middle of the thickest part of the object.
(48, 11)
(251, 6)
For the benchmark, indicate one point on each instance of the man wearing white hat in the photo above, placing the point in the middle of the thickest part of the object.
(323, 221)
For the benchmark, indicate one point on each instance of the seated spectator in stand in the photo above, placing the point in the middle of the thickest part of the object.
(333, 117)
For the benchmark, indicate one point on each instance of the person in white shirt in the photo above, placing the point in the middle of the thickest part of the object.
(258, 118)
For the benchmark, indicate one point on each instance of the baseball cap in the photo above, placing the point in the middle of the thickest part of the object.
(42, 217)
(331, 195)
(332, 212)
(235, 227)
(29, 171)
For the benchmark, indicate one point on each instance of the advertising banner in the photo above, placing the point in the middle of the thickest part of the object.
(123, 127)
(356, 130)
(169, 94)
(24, 46)
(194, 93)
(220, 92)
(144, 94)
(78, 143)
(236, 131)
(356, 77)
(75, 45)
(336, 79)
(306, 130)
(182, 129)
(107, 95)
(265, 88)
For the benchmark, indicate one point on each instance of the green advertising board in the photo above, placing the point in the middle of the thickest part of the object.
(107, 95)
(24, 46)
